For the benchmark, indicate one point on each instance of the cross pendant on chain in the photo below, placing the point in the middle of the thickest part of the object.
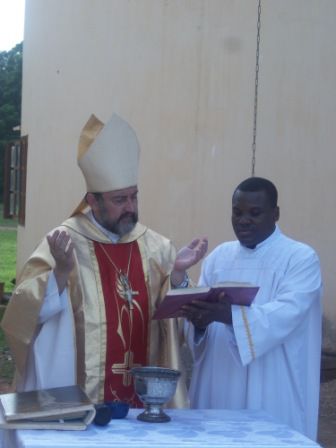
(125, 290)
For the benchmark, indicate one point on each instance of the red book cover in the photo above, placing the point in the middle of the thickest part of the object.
(236, 293)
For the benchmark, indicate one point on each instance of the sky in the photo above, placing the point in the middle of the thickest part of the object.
(11, 23)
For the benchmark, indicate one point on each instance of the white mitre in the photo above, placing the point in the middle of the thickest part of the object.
(108, 156)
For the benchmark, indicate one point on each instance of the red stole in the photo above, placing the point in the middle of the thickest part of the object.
(126, 328)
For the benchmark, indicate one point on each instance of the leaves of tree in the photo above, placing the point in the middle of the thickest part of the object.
(10, 99)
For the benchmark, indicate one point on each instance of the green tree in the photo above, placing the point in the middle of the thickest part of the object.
(10, 100)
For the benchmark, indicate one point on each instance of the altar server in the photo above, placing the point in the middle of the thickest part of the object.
(266, 356)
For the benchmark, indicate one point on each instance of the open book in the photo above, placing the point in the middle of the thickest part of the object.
(236, 293)
(67, 408)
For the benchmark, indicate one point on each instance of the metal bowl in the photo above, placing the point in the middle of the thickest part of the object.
(155, 386)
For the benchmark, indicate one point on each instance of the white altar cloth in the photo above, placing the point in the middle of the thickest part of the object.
(188, 428)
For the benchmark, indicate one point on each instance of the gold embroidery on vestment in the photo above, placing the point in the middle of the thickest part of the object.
(145, 256)
(124, 368)
(125, 292)
(248, 332)
(101, 327)
(123, 285)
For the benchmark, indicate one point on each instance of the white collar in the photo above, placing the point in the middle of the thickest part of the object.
(277, 232)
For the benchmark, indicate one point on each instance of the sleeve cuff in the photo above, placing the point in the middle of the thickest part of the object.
(184, 283)
(53, 302)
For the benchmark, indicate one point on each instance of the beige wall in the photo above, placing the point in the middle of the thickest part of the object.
(182, 73)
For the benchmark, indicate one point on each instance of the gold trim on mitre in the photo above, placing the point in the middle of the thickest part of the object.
(88, 135)
(108, 156)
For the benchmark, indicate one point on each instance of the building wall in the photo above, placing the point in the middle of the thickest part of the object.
(182, 72)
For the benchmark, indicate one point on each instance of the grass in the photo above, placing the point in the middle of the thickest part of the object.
(7, 222)
(7, 251)
(7, 274)
(7, 258)
(6, 362)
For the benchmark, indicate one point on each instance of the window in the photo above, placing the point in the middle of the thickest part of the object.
(15, 179)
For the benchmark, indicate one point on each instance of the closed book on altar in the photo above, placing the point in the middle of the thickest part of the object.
(236, 293)
(64, 408)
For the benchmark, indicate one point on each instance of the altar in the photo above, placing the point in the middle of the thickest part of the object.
(188, 428)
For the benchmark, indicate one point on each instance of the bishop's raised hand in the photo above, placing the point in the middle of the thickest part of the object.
(191, 254)
(62, 249)
(187, 257)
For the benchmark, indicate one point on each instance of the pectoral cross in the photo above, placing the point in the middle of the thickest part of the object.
(124, 288)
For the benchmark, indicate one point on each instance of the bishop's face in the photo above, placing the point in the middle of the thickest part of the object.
(116, 211)
(253, 217)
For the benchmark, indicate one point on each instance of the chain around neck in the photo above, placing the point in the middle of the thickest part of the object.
(118, 270)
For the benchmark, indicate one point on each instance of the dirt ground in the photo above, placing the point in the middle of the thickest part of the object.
(327, 420)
